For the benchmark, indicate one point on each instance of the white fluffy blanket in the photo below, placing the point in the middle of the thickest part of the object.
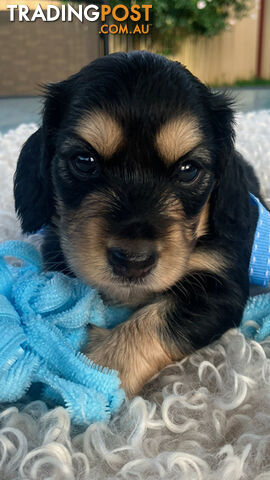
(206, 418)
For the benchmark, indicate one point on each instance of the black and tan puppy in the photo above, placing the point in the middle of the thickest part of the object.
(135, 174)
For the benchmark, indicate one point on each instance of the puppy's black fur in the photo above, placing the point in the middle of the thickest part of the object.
(137, 189)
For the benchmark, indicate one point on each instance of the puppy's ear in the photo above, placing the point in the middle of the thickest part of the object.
(32, 182)
(230, 203)
(230, 200)
(32, 186)
(222, 119)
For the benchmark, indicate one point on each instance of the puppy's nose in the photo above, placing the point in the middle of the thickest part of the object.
(131, 264)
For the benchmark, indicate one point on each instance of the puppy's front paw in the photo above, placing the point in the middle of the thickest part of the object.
(105, 349)
(102, 348)
(132, 349)
(99, 348)
(97, 336)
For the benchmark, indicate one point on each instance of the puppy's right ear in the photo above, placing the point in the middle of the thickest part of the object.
(33, 190)
(32, 185)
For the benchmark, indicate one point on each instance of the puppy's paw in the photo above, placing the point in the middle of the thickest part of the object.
(96, 337)
(104, 348)
(101, 348)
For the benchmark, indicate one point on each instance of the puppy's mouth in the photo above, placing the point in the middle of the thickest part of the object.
(131, 267)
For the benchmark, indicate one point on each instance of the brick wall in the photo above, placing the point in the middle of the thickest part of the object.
(32, 53)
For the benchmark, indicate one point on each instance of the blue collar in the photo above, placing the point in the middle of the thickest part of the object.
(259, 266)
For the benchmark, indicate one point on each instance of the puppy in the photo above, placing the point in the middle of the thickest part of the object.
(134, 173)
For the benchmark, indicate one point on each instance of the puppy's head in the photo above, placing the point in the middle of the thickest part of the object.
(124, 168)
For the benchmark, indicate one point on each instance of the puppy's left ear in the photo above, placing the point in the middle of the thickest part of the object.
(230, 203)
(222, 119)
(33, 189)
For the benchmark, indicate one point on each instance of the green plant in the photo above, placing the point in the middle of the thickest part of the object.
(172, 18)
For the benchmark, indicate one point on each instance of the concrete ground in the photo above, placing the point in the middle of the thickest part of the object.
(17, 110)
(249, 99)
(14, 111)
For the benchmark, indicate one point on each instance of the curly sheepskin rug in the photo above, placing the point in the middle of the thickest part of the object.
(205, 418)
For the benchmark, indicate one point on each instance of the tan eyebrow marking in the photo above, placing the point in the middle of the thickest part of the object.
(101, 131)
(177, 137)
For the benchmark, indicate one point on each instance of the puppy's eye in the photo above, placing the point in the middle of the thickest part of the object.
(85, 165)
(187, 172)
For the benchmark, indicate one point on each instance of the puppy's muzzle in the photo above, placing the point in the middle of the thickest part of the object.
(132, 264)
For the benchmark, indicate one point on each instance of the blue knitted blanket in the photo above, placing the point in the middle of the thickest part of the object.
(43, 319)
(256, 318)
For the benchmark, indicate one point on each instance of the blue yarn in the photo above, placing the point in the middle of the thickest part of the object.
(256, 318)
(43, 319)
